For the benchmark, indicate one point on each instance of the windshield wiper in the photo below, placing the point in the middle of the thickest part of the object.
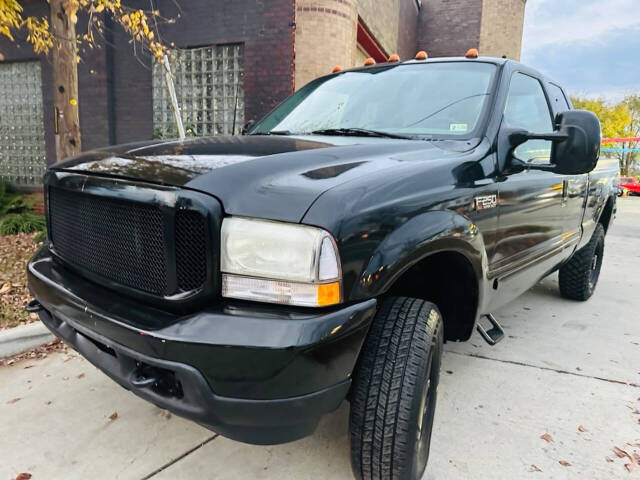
(274, 132)
(359, 132)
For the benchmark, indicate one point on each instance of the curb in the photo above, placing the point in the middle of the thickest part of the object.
(23, 338)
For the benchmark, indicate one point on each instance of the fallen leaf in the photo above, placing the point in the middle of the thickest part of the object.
(578, 369)
(23, 476)
(6, 288)
(546, 437)
(14, 400)
(564, 463)
(534, 468)
(581, 428)
(609, 459)
(48, 402)
(628, 466)
(81, 375)
(113, 416)
(636, 457)
(621, 453)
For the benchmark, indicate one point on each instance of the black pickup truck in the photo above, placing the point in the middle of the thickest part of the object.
(253, 283)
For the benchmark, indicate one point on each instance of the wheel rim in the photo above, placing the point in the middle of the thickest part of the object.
(426, 414)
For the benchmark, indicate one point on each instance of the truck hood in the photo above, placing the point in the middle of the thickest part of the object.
(270, 177)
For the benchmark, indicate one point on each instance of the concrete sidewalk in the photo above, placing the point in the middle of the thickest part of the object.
(564, 365)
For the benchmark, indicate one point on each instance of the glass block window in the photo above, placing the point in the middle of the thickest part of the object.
(209, 86)
(22, 150)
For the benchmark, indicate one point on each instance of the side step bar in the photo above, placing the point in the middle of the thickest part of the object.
(494, 334)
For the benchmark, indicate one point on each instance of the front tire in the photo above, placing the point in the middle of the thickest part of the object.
(579, 276)
(394, 391)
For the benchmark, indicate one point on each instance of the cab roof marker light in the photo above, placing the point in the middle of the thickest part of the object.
(421, 55)
(394, 58)
(336, 69)
(369, 61)
(472, 53)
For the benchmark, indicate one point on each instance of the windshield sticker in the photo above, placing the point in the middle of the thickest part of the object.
(458, 127)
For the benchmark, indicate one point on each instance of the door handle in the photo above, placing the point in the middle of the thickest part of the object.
(565, 192)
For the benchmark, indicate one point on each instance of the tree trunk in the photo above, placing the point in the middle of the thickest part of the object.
(65, 81)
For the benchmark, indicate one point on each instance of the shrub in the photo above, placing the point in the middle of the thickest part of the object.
(10, 199)
(22, 223)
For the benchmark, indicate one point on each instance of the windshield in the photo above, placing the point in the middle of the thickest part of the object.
(433, 99)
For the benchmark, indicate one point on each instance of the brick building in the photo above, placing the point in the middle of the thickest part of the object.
(235, 61)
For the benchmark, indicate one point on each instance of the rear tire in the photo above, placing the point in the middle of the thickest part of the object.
(394, 391)
(579, 276)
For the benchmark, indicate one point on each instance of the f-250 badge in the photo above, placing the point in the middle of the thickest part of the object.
(486, 201)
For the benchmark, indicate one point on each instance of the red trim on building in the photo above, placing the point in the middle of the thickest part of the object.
(620, 140)
(369, 43)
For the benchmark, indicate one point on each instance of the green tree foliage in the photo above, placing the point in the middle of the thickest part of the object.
(619, 120)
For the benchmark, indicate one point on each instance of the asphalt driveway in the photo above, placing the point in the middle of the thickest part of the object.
(570, 370)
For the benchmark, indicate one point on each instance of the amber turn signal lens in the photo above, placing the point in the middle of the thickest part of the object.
(369, 61)
(421, 55)
(336, 69)
(394, 58)
(472, 53)
(328, 294)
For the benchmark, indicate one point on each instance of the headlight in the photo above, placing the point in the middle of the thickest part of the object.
(279, 262)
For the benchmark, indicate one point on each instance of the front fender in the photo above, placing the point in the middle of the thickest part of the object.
(423, 235)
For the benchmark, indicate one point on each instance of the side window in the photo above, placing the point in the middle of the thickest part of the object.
(527, 108)
(558, 100)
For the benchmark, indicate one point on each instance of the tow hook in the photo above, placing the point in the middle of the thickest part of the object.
(492, 335)
(34, 306)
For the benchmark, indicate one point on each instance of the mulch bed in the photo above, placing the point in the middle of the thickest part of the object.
(15, 252)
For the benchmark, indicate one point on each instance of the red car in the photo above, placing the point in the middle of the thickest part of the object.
(630, 184)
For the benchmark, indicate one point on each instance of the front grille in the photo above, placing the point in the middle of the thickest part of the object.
(128, 243)
(191, 250)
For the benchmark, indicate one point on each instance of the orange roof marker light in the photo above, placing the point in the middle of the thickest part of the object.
(336, 69)
(394, 58)
(421, 55)
(472, 53)
(369, 61)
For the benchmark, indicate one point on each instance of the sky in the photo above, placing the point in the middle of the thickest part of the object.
(590, 47)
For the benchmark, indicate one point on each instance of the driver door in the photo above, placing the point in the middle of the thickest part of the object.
(530, 216)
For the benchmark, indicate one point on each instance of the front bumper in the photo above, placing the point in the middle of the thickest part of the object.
(258, 374)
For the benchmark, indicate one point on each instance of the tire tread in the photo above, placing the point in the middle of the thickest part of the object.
(381, 407)
(574, 275)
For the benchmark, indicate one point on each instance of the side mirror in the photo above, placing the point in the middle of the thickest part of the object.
(576, 143)
(247, 127)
